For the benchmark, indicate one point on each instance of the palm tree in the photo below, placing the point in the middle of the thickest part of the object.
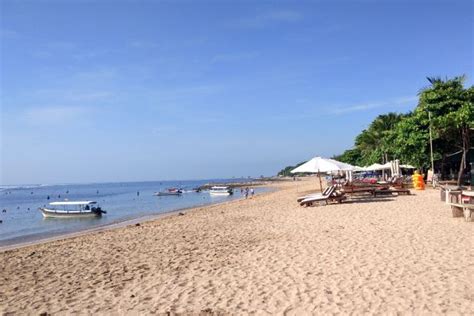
(374, 141)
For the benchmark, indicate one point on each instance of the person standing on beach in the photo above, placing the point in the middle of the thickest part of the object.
(246, 192)
(252, 192)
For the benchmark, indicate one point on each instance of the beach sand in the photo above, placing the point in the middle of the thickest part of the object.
(265, 255)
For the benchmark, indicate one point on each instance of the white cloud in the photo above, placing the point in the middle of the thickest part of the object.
(91, 54)
(74, 95)
(233, 57)
(143, 44)
(98, 75)
(187, 92)
(315, 111)
(55, 114)
(6, 33)
(62, 45)
(271, 17)
(91, 96)
(371, 105)
(41, 54)
(283, 15)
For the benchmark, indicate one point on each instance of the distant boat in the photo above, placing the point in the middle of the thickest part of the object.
(170, 191)
(221, 190)
(72, 209)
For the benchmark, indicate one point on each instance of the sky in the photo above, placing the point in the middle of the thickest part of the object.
(99, 91)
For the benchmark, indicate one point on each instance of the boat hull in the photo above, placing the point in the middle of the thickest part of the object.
(47, 213)
(167, 194)
(219, 193)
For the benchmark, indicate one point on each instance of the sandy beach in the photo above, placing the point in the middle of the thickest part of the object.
(265, 255)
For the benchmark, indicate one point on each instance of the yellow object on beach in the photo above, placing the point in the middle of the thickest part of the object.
(418, 182)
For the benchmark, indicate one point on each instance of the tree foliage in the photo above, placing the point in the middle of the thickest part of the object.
(452, 109)
(406, 136)
(286, 172)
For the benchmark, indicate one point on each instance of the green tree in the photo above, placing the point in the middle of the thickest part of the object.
(286, 172)
(374, 143)
(351, 156)
(452, 110)
(410, 140)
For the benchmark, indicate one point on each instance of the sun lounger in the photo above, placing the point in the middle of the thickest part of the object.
(391, 191)
(361, 189)
(364, 188)
(397, 183)
(315, 195)
(331, 195)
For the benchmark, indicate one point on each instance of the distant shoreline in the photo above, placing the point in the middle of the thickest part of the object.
(224, 180)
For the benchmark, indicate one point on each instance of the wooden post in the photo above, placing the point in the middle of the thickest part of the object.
(320, 184)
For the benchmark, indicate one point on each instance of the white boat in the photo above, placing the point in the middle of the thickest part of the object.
(220, 190)
(72, 209)
(171, 191)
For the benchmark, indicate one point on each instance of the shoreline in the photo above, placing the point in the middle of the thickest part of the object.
(121, 224)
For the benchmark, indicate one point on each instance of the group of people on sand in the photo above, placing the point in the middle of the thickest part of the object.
(247, 192)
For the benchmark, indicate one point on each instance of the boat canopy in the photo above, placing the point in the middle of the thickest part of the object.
(219, 188)
(73, 203)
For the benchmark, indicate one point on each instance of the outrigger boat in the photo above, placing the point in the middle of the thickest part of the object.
(221, 190)
(171, 191)
(72, 209)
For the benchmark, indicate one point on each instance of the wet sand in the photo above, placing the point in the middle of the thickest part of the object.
(265, 255)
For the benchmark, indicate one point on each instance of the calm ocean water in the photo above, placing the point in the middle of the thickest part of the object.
(23, 222)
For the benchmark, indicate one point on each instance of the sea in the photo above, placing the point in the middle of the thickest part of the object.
(22, 222)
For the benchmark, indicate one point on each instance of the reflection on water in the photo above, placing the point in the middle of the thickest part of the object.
(21, 219)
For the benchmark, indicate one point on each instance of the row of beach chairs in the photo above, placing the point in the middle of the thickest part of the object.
(338, 193)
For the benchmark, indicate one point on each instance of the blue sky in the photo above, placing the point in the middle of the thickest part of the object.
(154, 90)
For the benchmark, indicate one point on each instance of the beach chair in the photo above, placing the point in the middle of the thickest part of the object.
(359, 189)
(331, 195)
(364, 188)
(391, 191)
(397, 183)
(315, 195)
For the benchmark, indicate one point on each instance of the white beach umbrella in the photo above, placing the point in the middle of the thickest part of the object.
(319, 164)
(374, 167)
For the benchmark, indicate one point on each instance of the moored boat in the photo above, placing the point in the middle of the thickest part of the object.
(72, 209)
(221, 190)
(171, 191)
